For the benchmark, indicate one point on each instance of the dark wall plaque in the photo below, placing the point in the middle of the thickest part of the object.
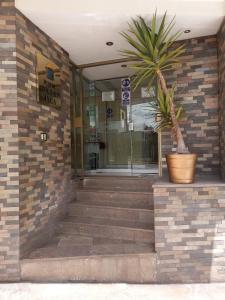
(49, 83)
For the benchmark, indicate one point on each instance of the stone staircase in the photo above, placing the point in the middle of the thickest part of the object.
(108, 236)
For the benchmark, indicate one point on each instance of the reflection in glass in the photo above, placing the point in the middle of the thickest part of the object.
(118, 137)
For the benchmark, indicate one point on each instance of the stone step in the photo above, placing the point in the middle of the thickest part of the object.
(101, 227)
(72, 250)
(118, 183)
(116, 198)
(81, 209)
(74, 240)
(129, 268)
(71, 240)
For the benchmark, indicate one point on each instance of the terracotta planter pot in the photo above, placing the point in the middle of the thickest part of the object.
(181, 167)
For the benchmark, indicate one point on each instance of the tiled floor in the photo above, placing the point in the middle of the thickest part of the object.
(27, 291)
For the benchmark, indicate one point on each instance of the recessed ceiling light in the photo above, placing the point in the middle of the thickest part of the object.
(109, 43)
(123, 66)
(187, 31)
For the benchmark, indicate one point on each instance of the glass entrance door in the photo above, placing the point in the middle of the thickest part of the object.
(144, 139)
(118, 139)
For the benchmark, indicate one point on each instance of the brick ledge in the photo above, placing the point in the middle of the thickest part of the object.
(199, 182)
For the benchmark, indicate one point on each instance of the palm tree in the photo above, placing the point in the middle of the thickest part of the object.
(153, 55)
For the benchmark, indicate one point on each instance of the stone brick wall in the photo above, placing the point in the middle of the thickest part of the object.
(197, 90)
(221, 54)
(9, 153)
(190, 232)
(44, 167)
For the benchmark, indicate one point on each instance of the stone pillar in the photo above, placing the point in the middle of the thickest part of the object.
(190, 232)
(9, 152)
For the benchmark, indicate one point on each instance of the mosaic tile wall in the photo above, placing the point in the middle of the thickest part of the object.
(45, 167)
(9, 162)
(197, 90)
(190, 233)
(221, 52)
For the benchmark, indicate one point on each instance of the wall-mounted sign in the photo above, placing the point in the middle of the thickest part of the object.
(49, 85)
(44, 136)
(125, 91)
(108, 96)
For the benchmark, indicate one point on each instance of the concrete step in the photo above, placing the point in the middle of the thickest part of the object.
(101, 227)
(118, 183)
(129, 268)
(116, 198)
(81, 209)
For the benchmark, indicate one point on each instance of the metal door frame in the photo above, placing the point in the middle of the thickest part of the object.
(82, 78)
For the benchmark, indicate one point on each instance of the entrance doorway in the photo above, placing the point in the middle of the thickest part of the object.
(116, 138)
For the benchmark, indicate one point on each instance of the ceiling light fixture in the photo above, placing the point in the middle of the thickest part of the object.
(187, 31)
(109, 43)
(123, 66)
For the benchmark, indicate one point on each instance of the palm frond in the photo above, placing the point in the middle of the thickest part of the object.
(151, 45)
(153, 48)
(161, 109)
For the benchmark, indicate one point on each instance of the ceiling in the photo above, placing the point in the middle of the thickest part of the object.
(82, 27)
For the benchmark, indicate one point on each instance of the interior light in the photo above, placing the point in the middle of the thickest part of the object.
(109, 43)
(187, 31)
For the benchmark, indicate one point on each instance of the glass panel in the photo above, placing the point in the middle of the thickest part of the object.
(144, 137)
(117, 137)
(106, 133)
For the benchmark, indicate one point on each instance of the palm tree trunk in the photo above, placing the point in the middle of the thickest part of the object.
(181, 147)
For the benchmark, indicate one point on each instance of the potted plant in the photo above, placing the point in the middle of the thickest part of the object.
(155, 53)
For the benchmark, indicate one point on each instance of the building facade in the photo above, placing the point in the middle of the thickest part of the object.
(36, 177)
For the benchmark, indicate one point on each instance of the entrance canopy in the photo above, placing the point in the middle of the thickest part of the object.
(83, 27)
